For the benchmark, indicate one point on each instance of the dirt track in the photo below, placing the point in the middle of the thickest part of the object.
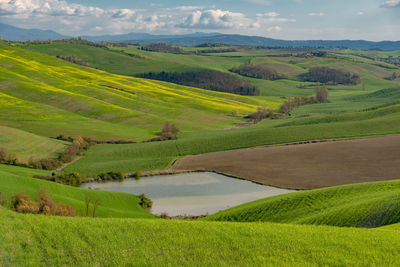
(307, 166)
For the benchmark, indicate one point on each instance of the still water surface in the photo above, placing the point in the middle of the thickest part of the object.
(194, 194)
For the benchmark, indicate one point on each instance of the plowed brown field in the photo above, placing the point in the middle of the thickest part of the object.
(307, 166)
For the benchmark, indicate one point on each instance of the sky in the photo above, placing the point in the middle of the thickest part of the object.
(373, 20)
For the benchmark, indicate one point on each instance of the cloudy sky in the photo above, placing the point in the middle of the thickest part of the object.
(284, 19)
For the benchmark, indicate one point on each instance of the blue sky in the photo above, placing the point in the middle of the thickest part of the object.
(284, 19)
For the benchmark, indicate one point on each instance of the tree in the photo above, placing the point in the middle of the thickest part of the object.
(4, 155)
(395, 75)
(322, 95)
(169, 131)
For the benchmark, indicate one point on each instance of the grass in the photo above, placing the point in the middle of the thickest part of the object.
(14, 180)
(48, 97)
(150, 156)
(27, 145)
(359, 205)
(42, 241)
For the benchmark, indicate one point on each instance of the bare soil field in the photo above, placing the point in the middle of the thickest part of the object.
(306, 166)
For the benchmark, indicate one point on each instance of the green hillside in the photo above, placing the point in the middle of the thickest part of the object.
(48, 96)
(14, 180)
(359, 205)
(44, 241)
(27, 145)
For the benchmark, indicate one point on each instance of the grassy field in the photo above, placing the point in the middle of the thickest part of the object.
(43, 241)
(27, 145)
(48, 97)
(14, 180)
(148, 156)
(359, 205)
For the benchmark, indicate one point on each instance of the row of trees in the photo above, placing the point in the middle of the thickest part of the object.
(320, 96)
(161, 47)
(330, 76)
(207, 79)
(259, 72)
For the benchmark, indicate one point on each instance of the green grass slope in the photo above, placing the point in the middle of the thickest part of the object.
(14, 180)
(43, 241)
(358, 205)
(27, 145)
(48, 96)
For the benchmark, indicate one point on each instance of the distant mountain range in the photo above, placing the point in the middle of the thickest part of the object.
(9, 32)
(12, 33)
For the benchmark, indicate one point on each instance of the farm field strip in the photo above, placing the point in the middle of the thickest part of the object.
(306, 166)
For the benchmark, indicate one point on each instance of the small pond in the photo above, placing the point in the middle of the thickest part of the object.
(193, 194)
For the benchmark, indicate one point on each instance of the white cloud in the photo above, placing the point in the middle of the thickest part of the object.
(360, 13)
(391, 3)
(216, 19)
(318, 14)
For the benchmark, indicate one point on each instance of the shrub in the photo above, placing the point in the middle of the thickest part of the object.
(111, 176)
(21, 203)
(145, 202)
(70, 178)
(137, 175)
(45, 205)
(262, 113)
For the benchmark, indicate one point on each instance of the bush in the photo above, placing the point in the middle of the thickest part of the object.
(45, 205)
(70, 178)
(111, 176)
(262, 113)
(21, 203)
(137, 175)
(145, 202)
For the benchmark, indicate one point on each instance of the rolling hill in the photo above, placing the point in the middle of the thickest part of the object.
(48, 96)
(359, 205)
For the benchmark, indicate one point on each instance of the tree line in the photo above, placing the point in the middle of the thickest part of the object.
(258, 72)
(330, 76)
(206, 79)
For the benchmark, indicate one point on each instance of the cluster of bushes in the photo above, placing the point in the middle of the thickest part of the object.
(74, 60)
(168, 132)
(320, 96)
(259, 72)
(161, 47)
(8, 158)
(111, 176)
(78, 146)
(91, 141)
(261, 114)
(330, 76)
(207, 79)
(75, 179)
(44, 205)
